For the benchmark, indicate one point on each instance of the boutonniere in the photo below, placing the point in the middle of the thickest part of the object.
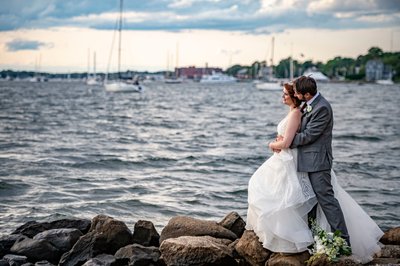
(309, 108)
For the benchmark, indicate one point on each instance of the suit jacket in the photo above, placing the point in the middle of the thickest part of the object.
(314, 138)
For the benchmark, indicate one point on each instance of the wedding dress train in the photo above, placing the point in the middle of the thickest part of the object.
(280, 198)
(363, 231)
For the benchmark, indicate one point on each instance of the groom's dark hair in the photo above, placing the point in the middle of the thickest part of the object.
(305, 84)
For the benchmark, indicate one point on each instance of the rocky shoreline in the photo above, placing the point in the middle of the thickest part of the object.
(183, 241)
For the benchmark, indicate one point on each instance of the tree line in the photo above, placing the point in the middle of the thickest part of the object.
(336, 68)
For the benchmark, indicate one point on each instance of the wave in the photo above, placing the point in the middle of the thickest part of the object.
(359, 137)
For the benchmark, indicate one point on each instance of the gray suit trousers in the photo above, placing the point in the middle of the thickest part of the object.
(321, 183)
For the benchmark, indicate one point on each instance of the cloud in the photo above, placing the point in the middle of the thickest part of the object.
(181, 4)
(249, 16)
(18, 45)
(384, 6)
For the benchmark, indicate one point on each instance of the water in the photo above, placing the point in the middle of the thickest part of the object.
(187, 149)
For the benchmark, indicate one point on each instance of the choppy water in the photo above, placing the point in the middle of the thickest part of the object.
(188, 149)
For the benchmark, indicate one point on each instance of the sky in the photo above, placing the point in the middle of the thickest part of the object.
(60, 36)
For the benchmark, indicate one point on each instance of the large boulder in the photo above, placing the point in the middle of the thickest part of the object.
(146, 234)
(250, 248)
(106, 235)
(36, 250)
(32, 228)
(187, 226)
(136, 255)
(234, 222)
(391, 237)
(6, 242)
(62, 239)
(197, 250)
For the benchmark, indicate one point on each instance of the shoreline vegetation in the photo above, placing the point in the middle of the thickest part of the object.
(338, 69)
(105, 240)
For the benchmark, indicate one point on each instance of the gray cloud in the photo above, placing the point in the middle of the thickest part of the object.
(174, 15)
(18, 45)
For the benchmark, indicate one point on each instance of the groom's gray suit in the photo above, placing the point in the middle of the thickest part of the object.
(314, 144)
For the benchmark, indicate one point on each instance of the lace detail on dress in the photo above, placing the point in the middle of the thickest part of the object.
(305, 184)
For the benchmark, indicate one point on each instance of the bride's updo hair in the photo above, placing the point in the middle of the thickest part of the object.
(289, 87)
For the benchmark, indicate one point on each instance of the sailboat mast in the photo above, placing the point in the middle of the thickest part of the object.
(177, 60)
(272, 57)
(120, 36)
(94, 65)
(88, 65)
(272, 50)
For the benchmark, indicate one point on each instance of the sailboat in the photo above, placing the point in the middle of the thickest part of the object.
(174, 78)
(270, 83)
(37, 77)
(92, 79)
(121, 85)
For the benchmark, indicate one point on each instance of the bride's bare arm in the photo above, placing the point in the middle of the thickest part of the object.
(291, 129)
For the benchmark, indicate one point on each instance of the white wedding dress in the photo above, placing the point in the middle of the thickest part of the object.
(280, 198)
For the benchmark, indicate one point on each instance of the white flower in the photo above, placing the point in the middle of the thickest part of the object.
(309, 108)
(328, 243)
(320, 248)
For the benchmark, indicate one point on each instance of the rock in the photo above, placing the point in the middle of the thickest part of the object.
(235, 223)
(62, 239)
(384, 262)
(136, 254)
(196, 250)
(390, 251)
(36, 250)
(391, 237)
(318, 261)
(4, 263)
(187, 226)
(6, 242)
(251, 249)
(232, 246)
(296, 259)
(323, 261)
(101, 260)
(347, 261)
(32, 228)
(15, 260)
(106, 235)
(146, 234)
(43, 263)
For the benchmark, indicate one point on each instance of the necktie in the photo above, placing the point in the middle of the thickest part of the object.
(303, 107)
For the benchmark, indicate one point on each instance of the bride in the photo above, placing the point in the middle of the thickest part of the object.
(280, 199)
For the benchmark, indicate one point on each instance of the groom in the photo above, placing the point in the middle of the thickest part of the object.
(314, 144)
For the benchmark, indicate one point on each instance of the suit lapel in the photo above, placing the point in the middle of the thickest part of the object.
(305, 117)
(316, 100)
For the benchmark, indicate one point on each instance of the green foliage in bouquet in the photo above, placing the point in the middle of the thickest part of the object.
(330, 244)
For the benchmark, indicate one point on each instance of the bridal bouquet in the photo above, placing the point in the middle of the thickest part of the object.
(330, 244)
